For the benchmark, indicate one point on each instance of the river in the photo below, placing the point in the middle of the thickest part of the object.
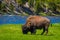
(22, 19)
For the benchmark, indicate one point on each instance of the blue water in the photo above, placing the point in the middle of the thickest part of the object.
(22, 19)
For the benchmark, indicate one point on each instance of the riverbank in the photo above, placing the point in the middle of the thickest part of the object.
(14, 32)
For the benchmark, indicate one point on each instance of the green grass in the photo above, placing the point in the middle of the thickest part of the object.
(14, 32)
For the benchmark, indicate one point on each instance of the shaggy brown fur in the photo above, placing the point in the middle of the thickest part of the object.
(36, 22)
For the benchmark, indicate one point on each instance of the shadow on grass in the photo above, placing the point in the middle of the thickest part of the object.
(40, 34)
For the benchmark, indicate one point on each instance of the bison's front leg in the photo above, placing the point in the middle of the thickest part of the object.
(33, 30)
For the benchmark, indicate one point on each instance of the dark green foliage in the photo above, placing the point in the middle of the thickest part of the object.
(37, 5)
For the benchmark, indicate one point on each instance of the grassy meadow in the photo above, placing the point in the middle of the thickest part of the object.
(14, 32)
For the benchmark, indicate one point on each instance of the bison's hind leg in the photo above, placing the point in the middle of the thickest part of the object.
(46, 30)
(43, 31)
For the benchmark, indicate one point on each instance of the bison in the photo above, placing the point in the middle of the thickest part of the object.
(36, 22)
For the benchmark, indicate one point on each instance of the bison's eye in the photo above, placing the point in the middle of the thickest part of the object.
(25, 28)
(28, 24)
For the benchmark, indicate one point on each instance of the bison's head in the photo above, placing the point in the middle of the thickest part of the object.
(24, 29)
